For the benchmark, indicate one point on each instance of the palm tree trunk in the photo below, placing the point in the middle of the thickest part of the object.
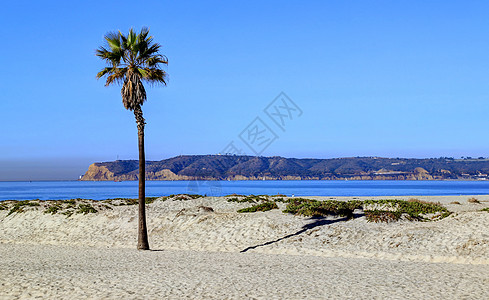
(143, 243)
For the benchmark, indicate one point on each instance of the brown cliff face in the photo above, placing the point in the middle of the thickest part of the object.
(99, 172)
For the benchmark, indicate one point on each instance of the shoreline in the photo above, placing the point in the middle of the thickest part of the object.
(245, 180)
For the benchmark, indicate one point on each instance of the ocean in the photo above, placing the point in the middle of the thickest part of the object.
(99, 190)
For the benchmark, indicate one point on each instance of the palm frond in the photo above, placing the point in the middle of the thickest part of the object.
(116, 75)
(153, 75)
(104, 72)
(154, 61)
(143, 34)
(113, 40)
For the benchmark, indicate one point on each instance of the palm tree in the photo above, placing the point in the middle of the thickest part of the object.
(133, 59)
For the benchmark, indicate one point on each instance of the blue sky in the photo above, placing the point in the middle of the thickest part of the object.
(373, 78)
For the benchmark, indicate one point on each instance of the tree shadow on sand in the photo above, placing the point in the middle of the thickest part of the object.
(319, 221)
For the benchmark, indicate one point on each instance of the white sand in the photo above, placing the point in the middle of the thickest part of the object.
(291, 257)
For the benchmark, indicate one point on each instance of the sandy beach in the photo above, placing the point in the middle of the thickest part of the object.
(221, 254)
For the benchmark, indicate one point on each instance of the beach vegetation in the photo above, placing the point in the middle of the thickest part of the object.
(374, 210)
(473, 200)
(85, 209)
(485, 209)
(130, 201)
(260, 207)
(19, 206)
(315, 208)
(132, 59)
(68, 213)
(393, 210)
(249, 199)
(279, 199)
(52, 209)
(184, 196)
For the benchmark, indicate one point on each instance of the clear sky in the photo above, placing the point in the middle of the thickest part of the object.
(372, 78)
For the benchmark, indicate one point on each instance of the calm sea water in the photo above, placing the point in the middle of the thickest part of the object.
(128, 189)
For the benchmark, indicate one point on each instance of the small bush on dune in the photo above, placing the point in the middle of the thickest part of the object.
(485, 209)
(456, 202)
(131, 201)
(279, 199)
(419, 201)
(52, 209)
(185, 196)
(473, 200)
(86, 209)
(315, 208)
(382, 216)
(150, 200)
(19, 206)
(393, 210)
(249, 199)
(259, 207)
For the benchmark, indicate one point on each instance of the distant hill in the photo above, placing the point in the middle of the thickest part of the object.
(230, 167)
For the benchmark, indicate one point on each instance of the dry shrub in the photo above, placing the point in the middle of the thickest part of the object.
(456, 202)
(422, 202)
(473, 200)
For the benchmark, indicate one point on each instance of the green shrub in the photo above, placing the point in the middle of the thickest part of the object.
(52, 209)
(259, 207)
(18, 207)
(3, 207)
(315, 208)
(279, 199)
(149, 200)
(392, 210)
(131, 201)
(485, 209)
(249, 199)
(382, 216)
(86, 209)
(185, 196)
(68, 213)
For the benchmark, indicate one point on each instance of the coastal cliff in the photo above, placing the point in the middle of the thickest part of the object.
(231, 167)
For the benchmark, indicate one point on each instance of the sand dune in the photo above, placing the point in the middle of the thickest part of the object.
(280, 242)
